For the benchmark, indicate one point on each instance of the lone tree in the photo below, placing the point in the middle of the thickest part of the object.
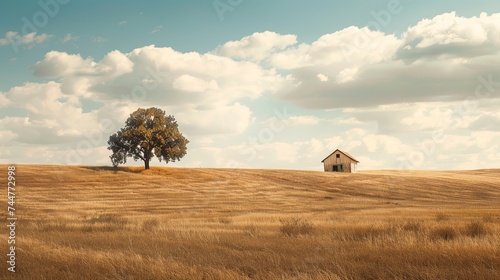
(148, 133)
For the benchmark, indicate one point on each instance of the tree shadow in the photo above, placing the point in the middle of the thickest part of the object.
(115, 170)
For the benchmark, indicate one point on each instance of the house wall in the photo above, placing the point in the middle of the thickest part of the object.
(332, 159)
(354, 167)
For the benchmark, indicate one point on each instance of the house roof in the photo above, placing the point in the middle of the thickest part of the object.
(346, 154)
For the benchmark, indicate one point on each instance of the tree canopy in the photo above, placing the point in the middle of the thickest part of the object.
(148, 133)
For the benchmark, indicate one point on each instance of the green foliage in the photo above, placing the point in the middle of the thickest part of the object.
(148, 133)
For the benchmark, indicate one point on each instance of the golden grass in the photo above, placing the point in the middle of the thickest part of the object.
(176, 223)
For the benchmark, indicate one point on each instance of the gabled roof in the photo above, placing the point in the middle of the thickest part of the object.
(345, 154)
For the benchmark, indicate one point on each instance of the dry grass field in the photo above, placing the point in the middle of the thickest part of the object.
(180, 223)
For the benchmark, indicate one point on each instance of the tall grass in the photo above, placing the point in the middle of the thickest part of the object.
(291, 248)
(254, 224)
(295, 227)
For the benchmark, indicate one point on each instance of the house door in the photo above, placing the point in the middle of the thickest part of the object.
(337, 168)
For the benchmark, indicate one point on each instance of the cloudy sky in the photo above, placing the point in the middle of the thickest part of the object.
(253, 83)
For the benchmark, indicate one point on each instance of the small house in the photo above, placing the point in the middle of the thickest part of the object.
(340, 161)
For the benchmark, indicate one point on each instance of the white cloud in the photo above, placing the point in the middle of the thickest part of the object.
(437, 59)
(331, 144)
(60, 64)
(116, 64)
(322, 77)
(383, 97)
(368, 163)
(157, 29)
(69, 37)
(78, 75)
(347, 75)
(27, 39)
(385, 144)
(474, 114)
(446, 29)
(193, 84)
(429, 118)
(4, 101)
(303, 120)
(486, 121)
(51, 117)
(32, 38)
(98, 39)
(205, 141)
(308, 154)
(349, 121)
(475, 143)
(51, 155)
(7, 136)
(452, 35)
(233, 118)
(202, 90)
(123, 22)
(348, 47)
(293, 152)
(257, 46)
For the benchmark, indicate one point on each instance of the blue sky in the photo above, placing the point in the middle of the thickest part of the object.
(255, 84)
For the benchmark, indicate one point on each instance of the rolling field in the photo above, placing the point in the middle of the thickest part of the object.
(188, 223)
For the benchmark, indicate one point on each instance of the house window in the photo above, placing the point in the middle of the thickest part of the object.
(338, 155)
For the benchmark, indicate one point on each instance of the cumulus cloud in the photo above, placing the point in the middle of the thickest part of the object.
(487, 121)
(374, 151)
(349, 121)
(115, 64)
(345, 48)
(385, 144)
(322, 77)
(347, 75)
(429, 118)
(201, 89)
(52, 118)
(4, 101)
(232, 118)
(450, 35)
(177, 78)
(303, 120)
(381, 98)
(61, 64)
(256, 47)
(468, 114)
(280, 153)
(445, 58)
(473, 143)
(193, 84)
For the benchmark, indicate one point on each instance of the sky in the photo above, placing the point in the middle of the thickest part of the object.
(398, 84)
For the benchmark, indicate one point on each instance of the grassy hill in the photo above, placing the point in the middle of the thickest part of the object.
(193, 223)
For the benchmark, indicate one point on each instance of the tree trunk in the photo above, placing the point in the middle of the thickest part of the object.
(147, 159)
